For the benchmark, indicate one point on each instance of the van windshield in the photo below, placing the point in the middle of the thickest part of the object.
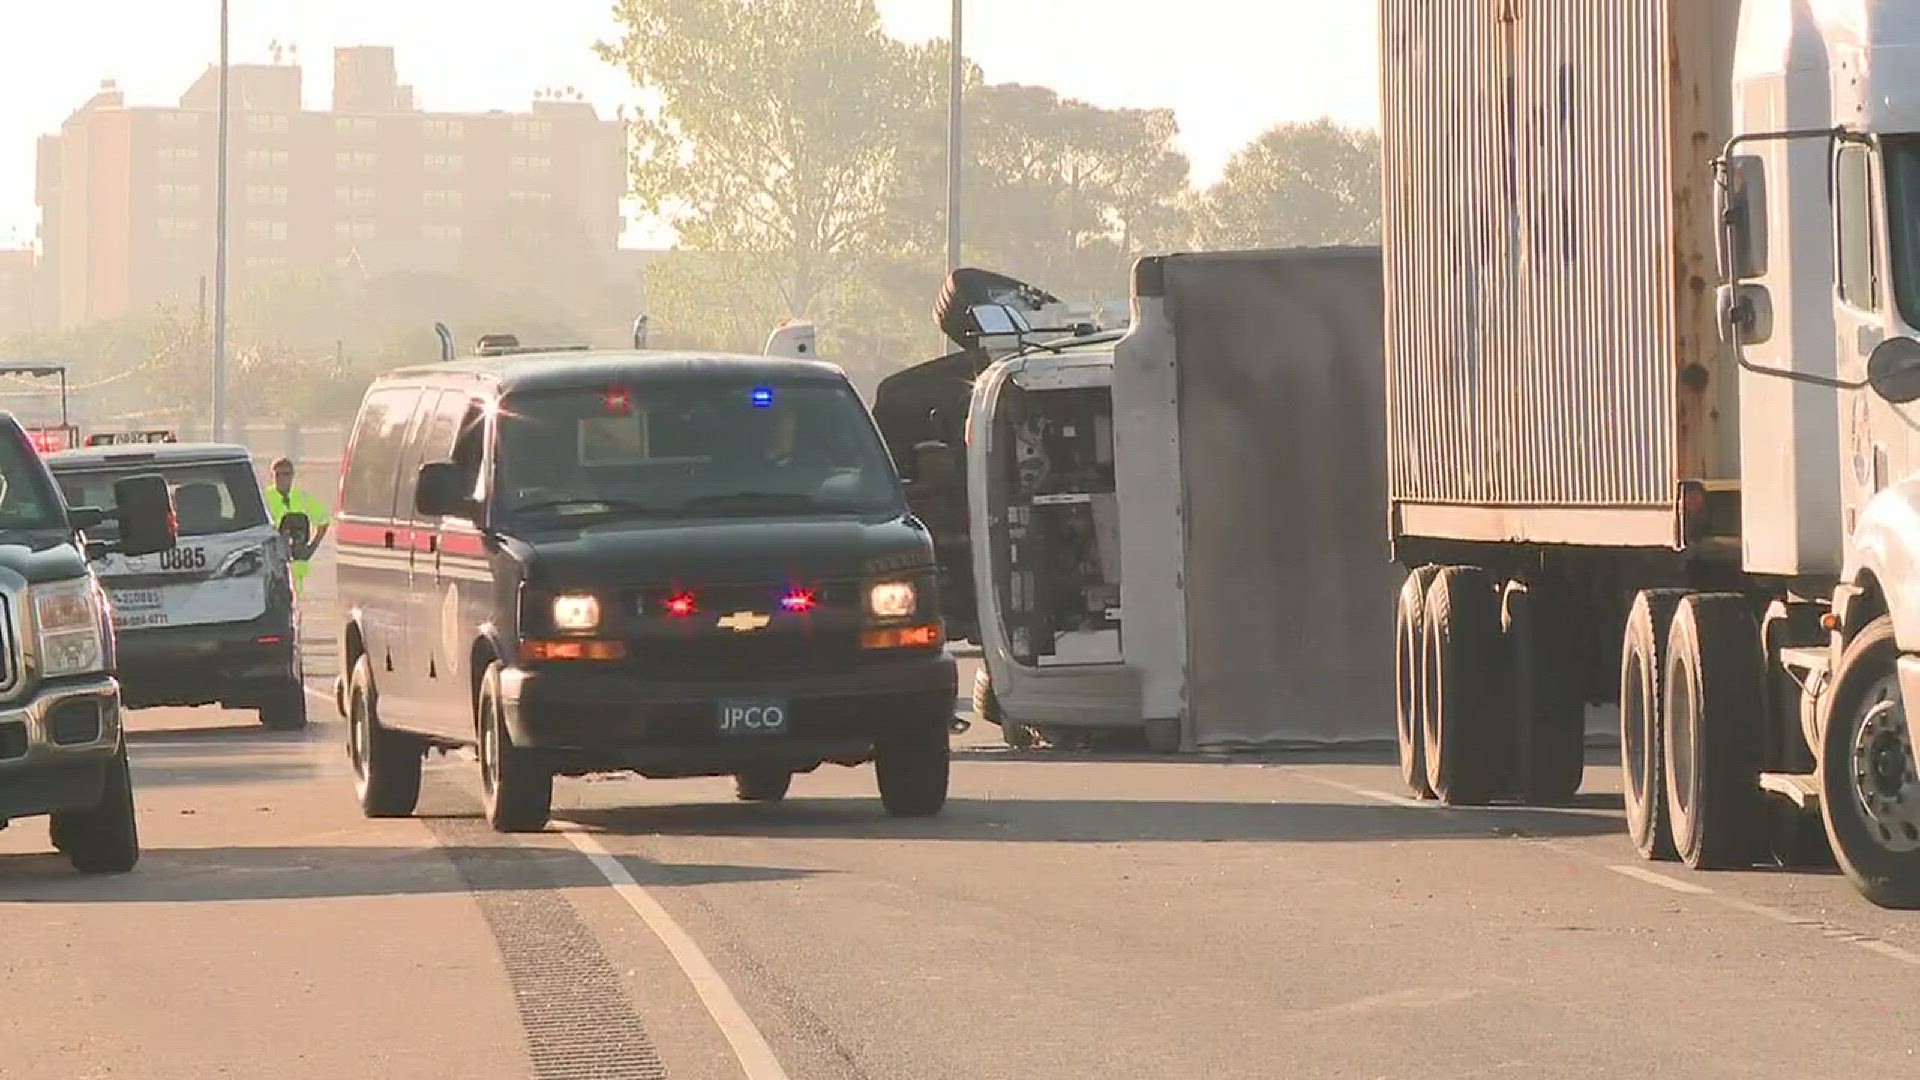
(732, 448)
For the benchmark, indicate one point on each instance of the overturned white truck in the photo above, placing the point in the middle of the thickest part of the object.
(1653, 288)
(1171, 530)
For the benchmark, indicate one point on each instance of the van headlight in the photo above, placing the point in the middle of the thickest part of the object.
(68, 617)
(893, 600)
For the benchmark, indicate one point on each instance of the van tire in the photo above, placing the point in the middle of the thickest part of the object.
(286, 710)
(1716, 682)
(386, 764)
(105, 839)
(762, 785)
(516, 789)
(912, 770)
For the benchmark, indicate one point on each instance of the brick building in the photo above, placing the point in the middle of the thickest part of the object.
(373, 185)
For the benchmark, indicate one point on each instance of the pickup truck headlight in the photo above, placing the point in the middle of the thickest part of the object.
(577, 612)
(68, 616)
(893, 600)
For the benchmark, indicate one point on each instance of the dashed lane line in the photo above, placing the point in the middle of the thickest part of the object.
(1830, 931)
(756, 1057)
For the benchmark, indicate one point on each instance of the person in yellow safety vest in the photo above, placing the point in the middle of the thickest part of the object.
(283, 498)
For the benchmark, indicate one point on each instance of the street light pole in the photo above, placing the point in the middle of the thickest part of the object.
(954, 88)
(220, 252)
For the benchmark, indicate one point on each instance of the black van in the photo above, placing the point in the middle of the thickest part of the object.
(678, 565)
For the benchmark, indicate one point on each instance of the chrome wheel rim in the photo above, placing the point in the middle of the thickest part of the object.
(1886, 782)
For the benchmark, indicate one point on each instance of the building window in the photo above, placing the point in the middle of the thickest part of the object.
(526, 127)
(267, 194)
(442, 232)
(522, 163)
(355, 159)
(353, 196)
(268, 124)
(266, 159)
(179, 155)
(266, 230)
(179, 192)
(354, 230)
(355, 126)
(446, 129)
(525, 198)
(179, 121)
(266, 262)
(174, 228)
(444, 199)
(445, 162)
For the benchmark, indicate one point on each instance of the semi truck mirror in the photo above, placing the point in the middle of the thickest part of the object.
(1742, 206)
(145, 509)
(1746, 313)
(1893, 370)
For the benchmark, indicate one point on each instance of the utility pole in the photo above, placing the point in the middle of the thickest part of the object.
(220, 253)
(954, 88)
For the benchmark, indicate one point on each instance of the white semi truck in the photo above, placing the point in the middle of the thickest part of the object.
(1653, 293)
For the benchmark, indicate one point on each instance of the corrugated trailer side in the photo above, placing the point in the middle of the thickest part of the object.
(1554, 371)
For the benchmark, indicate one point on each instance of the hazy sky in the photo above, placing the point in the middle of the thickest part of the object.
(1228, 68)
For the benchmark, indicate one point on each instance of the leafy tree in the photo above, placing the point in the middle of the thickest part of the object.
(1296, 185)
(774, 134)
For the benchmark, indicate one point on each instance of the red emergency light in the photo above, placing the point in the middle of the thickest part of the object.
(798, 600)
(680, 605)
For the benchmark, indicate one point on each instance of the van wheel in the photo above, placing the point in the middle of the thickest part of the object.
(912, 770)
(1715, 684)
(1409, 675)
(386, 765)
(517, 791)
(286, 710)
(1869, 791)
(1643, 703)
(1464, 728)
(765, 785)
(105, 839)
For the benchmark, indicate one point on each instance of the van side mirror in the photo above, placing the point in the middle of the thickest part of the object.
(440, 492)
(145, 511)
(1893, 370)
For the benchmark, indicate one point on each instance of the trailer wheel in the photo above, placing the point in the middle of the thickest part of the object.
(1643, 702)
(1549, 710)
(1869, 792)
(1462, 729)
(1715, 688)
(1409, 677)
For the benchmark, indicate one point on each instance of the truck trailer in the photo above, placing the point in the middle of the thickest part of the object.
(1652, 295)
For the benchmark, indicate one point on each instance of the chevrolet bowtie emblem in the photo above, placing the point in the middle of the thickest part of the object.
(745, 622)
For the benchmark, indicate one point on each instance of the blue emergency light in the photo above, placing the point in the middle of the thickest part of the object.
(762, 397)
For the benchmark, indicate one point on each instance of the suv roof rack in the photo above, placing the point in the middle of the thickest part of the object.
(509, 345)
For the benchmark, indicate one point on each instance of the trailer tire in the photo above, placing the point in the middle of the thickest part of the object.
(1409, 678)
(1549, 710)
(1865, 726)
(1715, 695)
(1643, 704)
(1462, 729)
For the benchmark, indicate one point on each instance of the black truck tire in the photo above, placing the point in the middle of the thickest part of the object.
(987, 710)
(1409, 678)
(515, 789)
(1464, 731)
(1715, 701)
(912, 769)
(1643, 703)
(105, 839)
(762, 785)
(386, 764)
(1861, 760)
(1544, 682)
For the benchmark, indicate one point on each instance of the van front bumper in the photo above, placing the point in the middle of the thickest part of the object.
(55, 747)
(582, 720)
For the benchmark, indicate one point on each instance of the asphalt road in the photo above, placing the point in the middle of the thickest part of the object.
(1071, 915)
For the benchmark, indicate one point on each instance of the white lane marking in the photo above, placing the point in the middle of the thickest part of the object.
(749, 1046)
(1641, 873)
(1828, 930)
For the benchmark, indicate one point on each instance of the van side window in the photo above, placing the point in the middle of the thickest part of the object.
(1853, 208)
(374, 459)
(469, 448)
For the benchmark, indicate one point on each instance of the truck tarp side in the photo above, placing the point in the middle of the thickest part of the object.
(1251, 385)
